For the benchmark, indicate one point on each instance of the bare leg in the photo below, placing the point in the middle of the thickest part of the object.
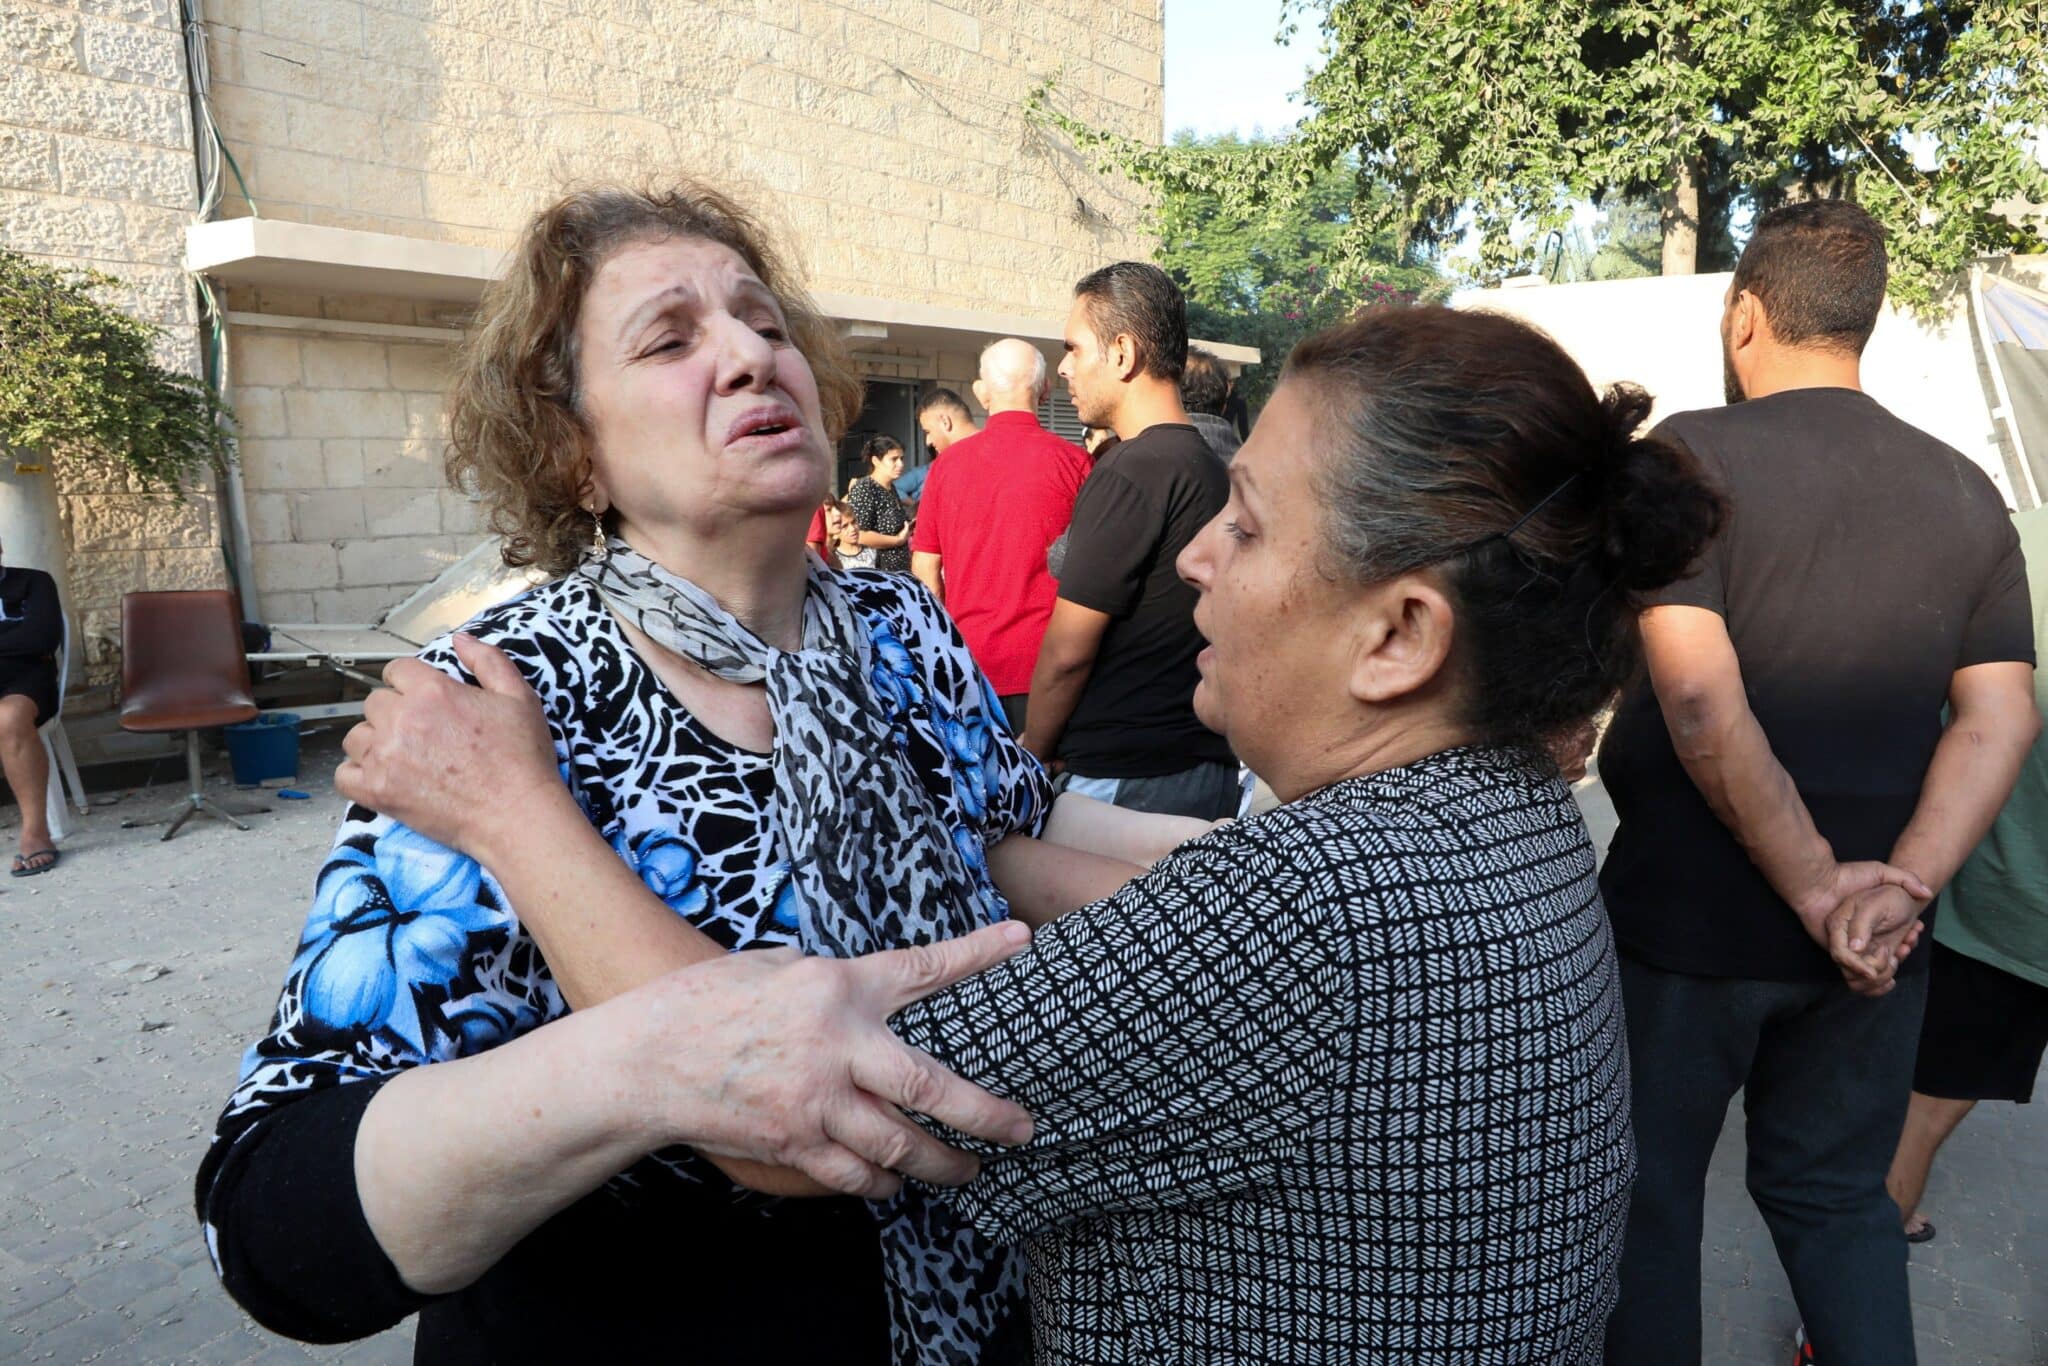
(27, 769)
(1929, 1122)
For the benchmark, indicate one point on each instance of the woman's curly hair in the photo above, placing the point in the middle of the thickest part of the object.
(517, 439)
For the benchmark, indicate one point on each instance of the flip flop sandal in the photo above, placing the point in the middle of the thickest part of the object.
(1922, 1234)
(25, 865)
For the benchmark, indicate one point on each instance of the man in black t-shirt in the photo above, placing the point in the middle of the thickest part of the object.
(1112, 696)
(1783, 769)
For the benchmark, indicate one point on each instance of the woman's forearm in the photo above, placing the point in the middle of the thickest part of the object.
(600, 928)
(455, 1163)
(1140, 837)
(770, 1054)
(603, 932)
(1043, 881)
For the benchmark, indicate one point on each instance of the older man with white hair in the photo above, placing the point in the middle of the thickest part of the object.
(990, 510)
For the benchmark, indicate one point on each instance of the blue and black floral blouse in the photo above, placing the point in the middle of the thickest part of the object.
(412, 954)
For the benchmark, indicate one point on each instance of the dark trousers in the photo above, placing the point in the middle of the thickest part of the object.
(1825, 1076)
(1208, 791)
(1013, 710)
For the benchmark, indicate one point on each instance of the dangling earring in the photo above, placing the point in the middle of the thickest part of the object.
(600, 544)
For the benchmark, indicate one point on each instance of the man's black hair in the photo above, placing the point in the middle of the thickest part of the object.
(1204, 384)
(1140, 301)
(1819, 269)
(947, 399)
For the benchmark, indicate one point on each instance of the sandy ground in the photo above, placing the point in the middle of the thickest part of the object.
(135, 974)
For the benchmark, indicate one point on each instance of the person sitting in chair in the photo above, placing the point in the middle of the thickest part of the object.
(31, 632)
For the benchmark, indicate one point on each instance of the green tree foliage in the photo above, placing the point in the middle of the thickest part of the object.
(79, 378)
(1629, 241)
(1495, 116)
(1262, 277)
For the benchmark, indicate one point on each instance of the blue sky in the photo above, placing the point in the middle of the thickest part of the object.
(1225, 72)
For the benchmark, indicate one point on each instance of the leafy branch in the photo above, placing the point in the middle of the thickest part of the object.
(1487, 120)
(79, 378)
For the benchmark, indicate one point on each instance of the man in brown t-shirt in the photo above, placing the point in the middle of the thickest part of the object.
(1786, 752)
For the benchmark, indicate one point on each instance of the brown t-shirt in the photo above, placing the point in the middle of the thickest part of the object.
(1863, 564)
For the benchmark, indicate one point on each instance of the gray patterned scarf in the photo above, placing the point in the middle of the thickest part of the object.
(873, 867)
(868, 851)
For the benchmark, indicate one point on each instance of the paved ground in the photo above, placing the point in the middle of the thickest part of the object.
(133, 977)
(1980, 1289)
(135, 974)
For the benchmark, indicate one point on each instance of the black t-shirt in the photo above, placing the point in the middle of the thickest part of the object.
(31, 622)
(1143, 503)
(1863, 564)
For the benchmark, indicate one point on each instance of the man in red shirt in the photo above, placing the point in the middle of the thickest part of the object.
(990, 510)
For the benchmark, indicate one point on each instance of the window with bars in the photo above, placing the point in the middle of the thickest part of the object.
(1057, 415)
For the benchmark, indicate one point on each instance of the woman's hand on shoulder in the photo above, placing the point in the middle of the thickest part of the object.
(461, 765)
(788, 1061)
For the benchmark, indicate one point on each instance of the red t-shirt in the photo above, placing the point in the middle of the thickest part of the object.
(991, 508)
(816, 535)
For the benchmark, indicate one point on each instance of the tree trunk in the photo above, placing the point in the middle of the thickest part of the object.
(1679, 216)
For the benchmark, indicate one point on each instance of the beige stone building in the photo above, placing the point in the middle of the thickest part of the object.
(97, 169)
(384, 151)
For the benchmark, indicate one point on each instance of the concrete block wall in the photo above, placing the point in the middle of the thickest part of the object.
(341, 466)
(96, 169)
(343, 437)
(884, 137)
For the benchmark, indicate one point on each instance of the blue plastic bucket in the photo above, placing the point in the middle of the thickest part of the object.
(267, 747)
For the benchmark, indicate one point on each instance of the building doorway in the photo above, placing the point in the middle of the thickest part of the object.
(888, 407)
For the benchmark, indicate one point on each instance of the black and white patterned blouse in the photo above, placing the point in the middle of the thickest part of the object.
(1344, 1082)
(879, 509)
(413, 955)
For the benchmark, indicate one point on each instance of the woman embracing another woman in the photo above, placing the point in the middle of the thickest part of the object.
(1345, 1080)
(778, 754)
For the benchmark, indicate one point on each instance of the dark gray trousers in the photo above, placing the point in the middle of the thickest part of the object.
(1208, 791)
(1825, 1076)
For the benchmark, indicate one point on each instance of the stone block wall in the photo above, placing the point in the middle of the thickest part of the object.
(341, 464)
(885, 137)
(96, 169)
(343, 437)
